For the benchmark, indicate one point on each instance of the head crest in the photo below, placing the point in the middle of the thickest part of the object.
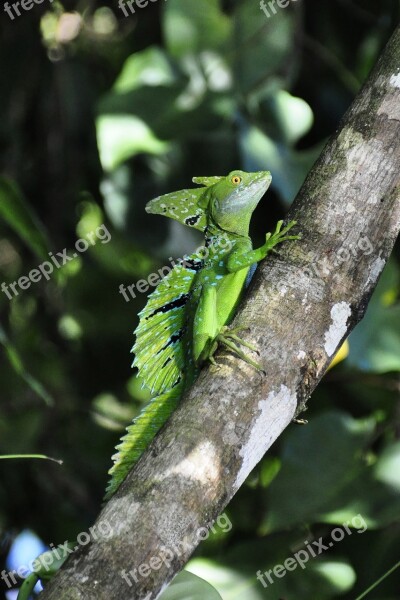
(186, 206)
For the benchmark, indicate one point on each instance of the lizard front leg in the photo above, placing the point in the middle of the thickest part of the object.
(240, 260)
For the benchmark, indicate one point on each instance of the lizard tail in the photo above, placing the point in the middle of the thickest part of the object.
(139, 435)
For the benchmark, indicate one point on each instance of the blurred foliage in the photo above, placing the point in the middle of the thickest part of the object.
(102, 112)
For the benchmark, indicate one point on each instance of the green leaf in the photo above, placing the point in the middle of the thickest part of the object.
(171, 105)
(18, 366)
(16, 212)
(387, 469)
(269, 469)
(190, 27)
(318, 460)
(187, 586)
(150, 67)
(121, 137)
(240, 574)
(375, 342)
(324, 478)
(293, 116)
(262, 47)
(289, 167)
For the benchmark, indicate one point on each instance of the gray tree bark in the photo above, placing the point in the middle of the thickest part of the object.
(301, 305)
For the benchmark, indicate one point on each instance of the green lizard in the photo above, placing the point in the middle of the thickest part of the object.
(186, 317)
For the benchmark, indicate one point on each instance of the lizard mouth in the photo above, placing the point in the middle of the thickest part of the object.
(256, 190)
(264, 178)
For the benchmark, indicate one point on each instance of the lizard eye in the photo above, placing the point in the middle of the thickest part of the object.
(236, 179)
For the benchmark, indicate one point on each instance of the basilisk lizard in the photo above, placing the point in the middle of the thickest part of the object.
(188, 314)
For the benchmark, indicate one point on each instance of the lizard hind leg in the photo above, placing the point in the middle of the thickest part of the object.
(227, 337)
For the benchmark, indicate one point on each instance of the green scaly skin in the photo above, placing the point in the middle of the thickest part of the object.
(186, 317)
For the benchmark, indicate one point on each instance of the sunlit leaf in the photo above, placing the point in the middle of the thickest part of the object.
(187, 586)
(293, 116)
(150, 67)
(110, 413)
(240, 574)
(387, 468)
(121, 137)
(289, 167)
(375, 342)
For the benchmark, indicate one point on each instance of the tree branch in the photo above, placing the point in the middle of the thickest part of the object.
(301, 306)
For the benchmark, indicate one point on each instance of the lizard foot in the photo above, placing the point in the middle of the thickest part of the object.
(280, 236)
(228, 337)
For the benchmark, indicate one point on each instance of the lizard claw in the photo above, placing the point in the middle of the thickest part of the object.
(214, 362)
(228, 339)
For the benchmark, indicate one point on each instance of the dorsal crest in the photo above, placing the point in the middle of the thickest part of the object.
(159, 351)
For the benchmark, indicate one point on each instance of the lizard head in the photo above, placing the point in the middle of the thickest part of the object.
(233, 199)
